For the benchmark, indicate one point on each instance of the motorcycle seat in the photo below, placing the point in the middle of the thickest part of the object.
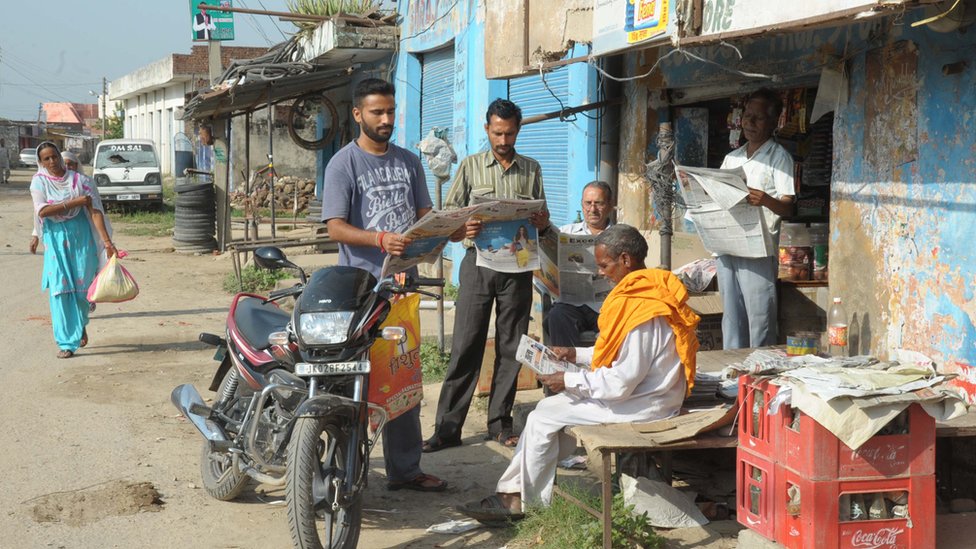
(256, 320)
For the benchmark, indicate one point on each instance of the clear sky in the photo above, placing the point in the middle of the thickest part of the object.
(58, 50)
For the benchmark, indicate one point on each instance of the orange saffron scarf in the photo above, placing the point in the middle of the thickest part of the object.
(641, 296)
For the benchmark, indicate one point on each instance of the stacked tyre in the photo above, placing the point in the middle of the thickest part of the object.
(196, 216)
(314, 210)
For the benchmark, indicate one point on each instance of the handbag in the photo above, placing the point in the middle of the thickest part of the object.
(113, 284)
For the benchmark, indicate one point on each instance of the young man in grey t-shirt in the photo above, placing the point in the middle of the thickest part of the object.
(374, 190)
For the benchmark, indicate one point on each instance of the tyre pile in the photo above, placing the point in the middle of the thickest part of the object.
(196, 216)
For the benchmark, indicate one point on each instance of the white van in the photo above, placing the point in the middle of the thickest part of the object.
(126, 171)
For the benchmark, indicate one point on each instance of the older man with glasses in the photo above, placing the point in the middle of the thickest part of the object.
(564, 322)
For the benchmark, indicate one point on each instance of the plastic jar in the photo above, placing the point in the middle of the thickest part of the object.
(795, 252)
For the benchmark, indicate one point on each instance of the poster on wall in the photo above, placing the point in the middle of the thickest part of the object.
(211, 23)
(620, 24)
(645, 19)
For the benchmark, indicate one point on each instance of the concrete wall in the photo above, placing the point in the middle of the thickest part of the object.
(520, 33)
(151, 115)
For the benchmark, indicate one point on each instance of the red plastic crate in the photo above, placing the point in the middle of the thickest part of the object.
(757, 431)
(815, 523)
(754, 492)
(816, 454)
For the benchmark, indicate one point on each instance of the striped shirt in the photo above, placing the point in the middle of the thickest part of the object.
(481, 175)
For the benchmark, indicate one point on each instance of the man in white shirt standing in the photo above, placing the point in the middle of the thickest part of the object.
(565, 322)
(4, 163)
(641, 369)
(748, 285)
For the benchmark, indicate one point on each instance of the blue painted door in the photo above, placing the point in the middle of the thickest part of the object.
(547, 142)
(436, 104)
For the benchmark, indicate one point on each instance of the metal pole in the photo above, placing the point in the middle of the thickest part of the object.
(104, 108)
(439, 273)
(247, 173)
(271, 193)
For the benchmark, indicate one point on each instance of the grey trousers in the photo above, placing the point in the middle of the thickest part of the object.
(479, 289)
(402, 446)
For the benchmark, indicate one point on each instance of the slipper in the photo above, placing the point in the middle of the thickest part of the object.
(64, 353)
(421, 483)
(506, 438)
(84, 337)
(490, 510)
(436, 444)
(91, 307)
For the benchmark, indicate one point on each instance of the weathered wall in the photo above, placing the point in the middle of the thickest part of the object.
(901, 249)
(519, 33)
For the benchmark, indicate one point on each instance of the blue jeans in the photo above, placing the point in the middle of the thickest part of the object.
(748, 288)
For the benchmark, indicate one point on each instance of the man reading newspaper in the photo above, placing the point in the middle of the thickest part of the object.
(641, 369)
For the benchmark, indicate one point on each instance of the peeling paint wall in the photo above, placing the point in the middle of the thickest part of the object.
(901, 236)
(520, 33)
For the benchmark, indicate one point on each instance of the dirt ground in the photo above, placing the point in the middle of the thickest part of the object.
(96, 456)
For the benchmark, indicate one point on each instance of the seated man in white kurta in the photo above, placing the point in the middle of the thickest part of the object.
(642, 367)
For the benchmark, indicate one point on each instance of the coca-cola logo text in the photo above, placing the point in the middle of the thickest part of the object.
(885, 537)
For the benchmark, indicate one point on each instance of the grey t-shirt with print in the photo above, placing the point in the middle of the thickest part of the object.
(374, 193)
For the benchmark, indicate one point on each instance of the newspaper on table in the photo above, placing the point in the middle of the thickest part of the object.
(716, 204)
(508, 242)
(429, 236)
(540, 358)
(567, 268)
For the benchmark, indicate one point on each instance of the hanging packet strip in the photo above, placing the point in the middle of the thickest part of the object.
(113, 284)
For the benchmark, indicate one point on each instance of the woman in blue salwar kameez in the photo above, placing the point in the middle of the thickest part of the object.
(68, 213)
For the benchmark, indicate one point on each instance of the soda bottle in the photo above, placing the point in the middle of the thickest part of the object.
(837, 328)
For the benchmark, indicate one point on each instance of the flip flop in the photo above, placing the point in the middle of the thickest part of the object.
(421, 483)
(436, 444)
(84, 337)
(506, 438)
(64, 353)
(490, 510)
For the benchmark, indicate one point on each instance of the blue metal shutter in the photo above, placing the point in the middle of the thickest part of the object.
(547, 142)
(436, 104)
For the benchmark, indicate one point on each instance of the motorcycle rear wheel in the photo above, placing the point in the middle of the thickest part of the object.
(221, 479)
(317, 448)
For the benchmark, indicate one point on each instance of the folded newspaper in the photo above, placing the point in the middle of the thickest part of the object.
(540, 358)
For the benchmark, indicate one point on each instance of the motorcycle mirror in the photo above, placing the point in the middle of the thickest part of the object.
(270, 257)
(394, 333)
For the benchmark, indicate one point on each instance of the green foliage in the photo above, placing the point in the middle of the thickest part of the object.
(144, 223)
(253, 279)
(115, 124)
(450, 291)
(326, 8)
(546, 526)
(433, 363)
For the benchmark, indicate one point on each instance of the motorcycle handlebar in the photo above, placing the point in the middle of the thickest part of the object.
(421, 281)
(278, 294)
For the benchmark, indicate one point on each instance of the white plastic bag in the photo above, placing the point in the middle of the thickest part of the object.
(113, 284)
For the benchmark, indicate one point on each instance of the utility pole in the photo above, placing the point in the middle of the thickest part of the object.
(104, 98)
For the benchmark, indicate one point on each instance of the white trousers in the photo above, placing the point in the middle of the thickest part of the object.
(532, 470)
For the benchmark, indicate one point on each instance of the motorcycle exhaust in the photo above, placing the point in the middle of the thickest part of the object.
(189, 402)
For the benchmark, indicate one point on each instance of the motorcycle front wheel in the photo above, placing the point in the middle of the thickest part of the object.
(317, 455)
(221, 479)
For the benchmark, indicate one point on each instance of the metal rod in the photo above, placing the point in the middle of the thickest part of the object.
(271, 180)
(572, 110)
(289, 14)
(556, 64)
(607, 502)
(439, 273)
(247, 172)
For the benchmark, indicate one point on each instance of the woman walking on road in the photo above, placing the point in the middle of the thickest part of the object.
(69, 215)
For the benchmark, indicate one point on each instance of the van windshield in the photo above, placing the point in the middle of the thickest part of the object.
(125, 156)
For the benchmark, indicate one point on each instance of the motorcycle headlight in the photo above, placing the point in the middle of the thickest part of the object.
(325, 328)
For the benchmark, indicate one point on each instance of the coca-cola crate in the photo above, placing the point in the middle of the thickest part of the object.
(757, 431)
(808, 513)
(754, 492)
(805, 446)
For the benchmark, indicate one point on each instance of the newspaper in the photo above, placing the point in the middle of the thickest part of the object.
(429, 236)
(508, 243)
(540, 358)
(716, 204)
(568, 269)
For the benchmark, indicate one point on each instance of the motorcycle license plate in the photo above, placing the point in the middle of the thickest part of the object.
(332, 368)
(128, 197)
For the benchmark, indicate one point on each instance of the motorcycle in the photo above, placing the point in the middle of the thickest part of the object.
(291, 405)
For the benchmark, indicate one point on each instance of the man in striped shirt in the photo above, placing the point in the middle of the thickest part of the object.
(496, 173)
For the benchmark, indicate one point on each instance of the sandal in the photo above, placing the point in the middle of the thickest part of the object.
(490, 510)
(421, 483)
(436, 444)
(64, 353)
(506, 438)
(84, 337)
